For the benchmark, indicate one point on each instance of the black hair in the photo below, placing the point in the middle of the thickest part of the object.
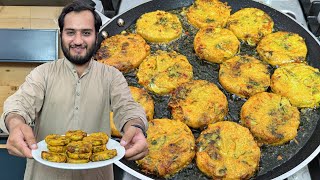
(78, 6)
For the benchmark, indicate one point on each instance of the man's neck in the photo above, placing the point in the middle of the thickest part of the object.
(81, 68)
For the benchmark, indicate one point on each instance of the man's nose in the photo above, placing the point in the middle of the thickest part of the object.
(78, 39)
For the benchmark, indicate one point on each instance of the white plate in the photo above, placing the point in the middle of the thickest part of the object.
(112, 144)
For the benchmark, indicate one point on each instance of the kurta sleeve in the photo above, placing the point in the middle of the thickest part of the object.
(28, 99)
(123, 106)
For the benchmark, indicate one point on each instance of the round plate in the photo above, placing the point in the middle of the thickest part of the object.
(112, 144)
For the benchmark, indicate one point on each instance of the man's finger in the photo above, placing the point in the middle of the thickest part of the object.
(138, 156)
(29, 137)
(26, 150)
(14, 151)
(128, 135)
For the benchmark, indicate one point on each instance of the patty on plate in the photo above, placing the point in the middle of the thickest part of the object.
(250, 25)
(271, 118)
(171, 148)
(216, 44)
(227, 150)
(198, 103)
(282, 47)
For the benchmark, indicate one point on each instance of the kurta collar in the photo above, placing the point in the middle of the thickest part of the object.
(72, 67)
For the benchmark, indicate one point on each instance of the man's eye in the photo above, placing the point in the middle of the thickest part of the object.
(70, 33)
(86, 33)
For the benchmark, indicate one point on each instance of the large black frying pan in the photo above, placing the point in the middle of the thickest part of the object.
(276, 162)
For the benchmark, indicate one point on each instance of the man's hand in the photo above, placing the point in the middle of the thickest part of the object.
(21, 139)
(134, 142)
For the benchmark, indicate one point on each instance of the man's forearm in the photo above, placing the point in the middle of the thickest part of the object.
(13, 120)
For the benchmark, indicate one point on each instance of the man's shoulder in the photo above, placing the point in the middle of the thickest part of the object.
(52, 63)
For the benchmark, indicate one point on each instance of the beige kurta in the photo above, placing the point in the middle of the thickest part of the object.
(57, 100)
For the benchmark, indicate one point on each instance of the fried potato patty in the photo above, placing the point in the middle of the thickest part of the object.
(79, 147)
(282, 47)
(204, 13)
(114, 131)
(244, 76)
(142, 97)
(216, 44)
(250, 25)
(56, 140)
(104, 155)
(123, 51)
(227, 150)
(57, 149)
(164, 71)
(159, 26)
(270, 118)
(171, 147)
(77, 161)
(198, 103)
(76, 135)
(54, 157)
(99, 148)
(79, 155)
(298, 82)
(95, 141)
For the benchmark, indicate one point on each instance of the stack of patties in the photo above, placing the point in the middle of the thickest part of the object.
(99, 150)
(78, 151)
(56, 145)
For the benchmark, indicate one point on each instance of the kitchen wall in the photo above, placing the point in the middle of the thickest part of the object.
(23, 17)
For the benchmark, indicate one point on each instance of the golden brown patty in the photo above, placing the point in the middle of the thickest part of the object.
(124, 51)
(227, 150)
(95, 141)
(159, 26)
(164, 71)
(76, 135)
(142, 97)
(198, 103)
(114, 131)
(171, 147)
(77, 161)
(250, 25)
(244, 76)
(205, 13)
(216, 44)
(56, 140)
(54, 157)
(57, 149)
(79, 147)
(282, 47)
(79, 155)
(270, 118)
(99, 148)
(298, 82)
(104, 155)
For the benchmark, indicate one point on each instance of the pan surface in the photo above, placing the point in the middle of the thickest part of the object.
(276, 162)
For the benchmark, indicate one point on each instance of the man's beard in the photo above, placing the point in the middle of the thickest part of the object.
(78, 59)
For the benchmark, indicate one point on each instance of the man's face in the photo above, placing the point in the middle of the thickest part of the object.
(78, 37)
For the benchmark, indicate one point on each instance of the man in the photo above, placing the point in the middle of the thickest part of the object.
(72, 93)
